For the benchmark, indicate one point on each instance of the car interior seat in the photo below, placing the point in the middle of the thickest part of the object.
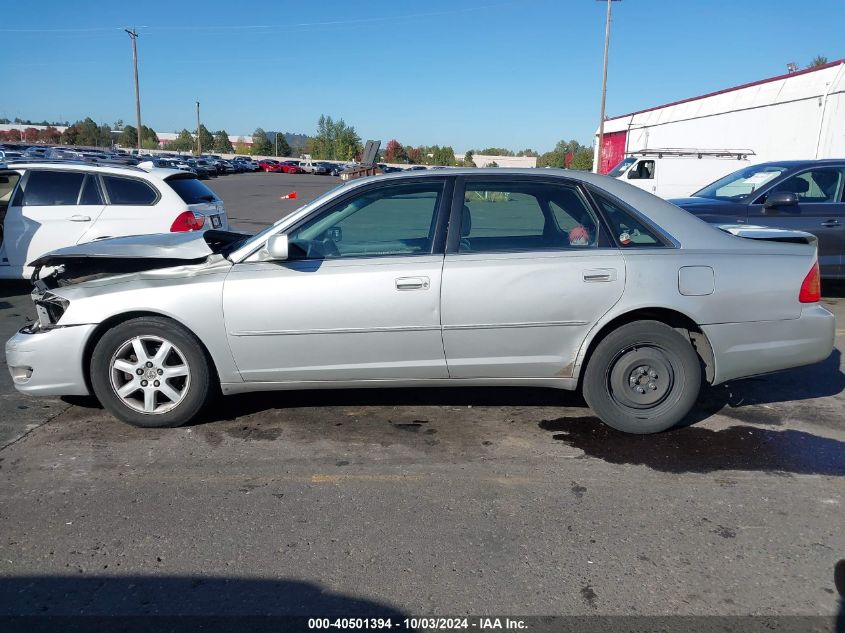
(466, 228)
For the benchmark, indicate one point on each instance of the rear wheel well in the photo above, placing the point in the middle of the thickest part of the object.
(681, 322)
(117, 319)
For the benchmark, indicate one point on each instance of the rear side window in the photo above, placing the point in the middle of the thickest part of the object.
(129, 191)
(191, 190)
(628, 231)
(49, 188)
(520, 216)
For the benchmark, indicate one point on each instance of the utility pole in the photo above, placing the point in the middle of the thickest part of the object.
(133, 35)
(277, 143)
(604, 80)
(199, 136)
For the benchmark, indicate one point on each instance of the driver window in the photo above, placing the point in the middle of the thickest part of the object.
(386, 221)
(817, 185)
(643, 170)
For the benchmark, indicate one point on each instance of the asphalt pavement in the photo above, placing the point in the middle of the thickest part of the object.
(424, 502)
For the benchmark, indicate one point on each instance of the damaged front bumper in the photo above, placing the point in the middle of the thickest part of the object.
(49, 362)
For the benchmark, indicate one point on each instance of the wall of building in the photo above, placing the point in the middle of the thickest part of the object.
(796, 116)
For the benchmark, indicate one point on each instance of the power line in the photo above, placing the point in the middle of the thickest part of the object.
(229, 27)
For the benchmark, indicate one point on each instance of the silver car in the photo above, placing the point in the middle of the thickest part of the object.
(454, 277)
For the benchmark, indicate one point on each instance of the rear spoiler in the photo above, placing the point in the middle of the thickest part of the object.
(751, 232)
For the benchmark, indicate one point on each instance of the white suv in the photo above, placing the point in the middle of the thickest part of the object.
(45, 206)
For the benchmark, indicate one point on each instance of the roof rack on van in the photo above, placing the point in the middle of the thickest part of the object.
(738, 154)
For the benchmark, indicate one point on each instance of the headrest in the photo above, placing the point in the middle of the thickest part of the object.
(795, 185)
(466, 221)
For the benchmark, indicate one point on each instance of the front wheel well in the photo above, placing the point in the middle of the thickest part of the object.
(681, 322)
(116, 320)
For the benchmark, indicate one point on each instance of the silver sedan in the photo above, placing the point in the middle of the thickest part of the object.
(453, 277)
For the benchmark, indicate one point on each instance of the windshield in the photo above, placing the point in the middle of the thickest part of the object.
(742, 183)
(621, 167)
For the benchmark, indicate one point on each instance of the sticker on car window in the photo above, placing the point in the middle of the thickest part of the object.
(625, 238)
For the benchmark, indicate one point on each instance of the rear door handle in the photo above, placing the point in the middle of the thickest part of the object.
(599, 274)
(80, 218)
(412, 283)
(831, 223)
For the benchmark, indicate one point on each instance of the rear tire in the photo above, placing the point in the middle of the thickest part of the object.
(151, 372)
(643, 377)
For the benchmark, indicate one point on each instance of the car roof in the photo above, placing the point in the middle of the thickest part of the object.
(791, 164)
(118, 170)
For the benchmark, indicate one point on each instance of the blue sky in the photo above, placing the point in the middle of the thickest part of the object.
(466, 73)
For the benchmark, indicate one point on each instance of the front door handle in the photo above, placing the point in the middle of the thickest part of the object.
(599, 274)
(80, 218)
(831, 223)
(412, 283)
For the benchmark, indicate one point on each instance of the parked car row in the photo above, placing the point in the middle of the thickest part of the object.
(304, 166)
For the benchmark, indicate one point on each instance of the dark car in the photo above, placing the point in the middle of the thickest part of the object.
(806, 195)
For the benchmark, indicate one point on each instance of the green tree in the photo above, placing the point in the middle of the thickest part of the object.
(583, 159)
(496, 151)
(222, 144)
(260, 143)
(128, 137)
(206, 138)
(87, 133)
(335, 140)
(444, 156)
(818, 60)
(527, 152)
(183, 143)
(568, 154)
(468, 162)
(281, 145)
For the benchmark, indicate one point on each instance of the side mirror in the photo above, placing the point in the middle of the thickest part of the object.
(780, 199)
(277, 247)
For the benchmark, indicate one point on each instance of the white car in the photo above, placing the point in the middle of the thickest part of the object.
(45, 206)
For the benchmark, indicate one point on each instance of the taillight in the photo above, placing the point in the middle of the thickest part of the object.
(187, 221)
(811, 287)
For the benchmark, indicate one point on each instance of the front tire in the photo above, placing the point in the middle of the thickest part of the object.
(151, 372)
(643, 377)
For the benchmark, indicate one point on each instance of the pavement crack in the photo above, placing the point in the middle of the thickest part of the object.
(35, 428)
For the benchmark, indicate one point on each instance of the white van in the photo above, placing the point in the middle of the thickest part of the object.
(677, 173)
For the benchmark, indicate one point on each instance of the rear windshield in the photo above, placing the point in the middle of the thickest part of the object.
(191, 190)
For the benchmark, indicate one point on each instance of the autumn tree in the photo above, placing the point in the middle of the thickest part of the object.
(395, 153)
(49, 135)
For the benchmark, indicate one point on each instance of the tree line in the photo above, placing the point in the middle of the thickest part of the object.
(334, 140)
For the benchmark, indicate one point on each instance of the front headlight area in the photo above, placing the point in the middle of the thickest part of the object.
(49, 309)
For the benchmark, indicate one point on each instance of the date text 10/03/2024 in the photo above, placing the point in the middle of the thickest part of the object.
(413, 624)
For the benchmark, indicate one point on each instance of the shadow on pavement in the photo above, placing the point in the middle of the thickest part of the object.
(231, 407)
(699, 450)
(179, 596)
(733, 398)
